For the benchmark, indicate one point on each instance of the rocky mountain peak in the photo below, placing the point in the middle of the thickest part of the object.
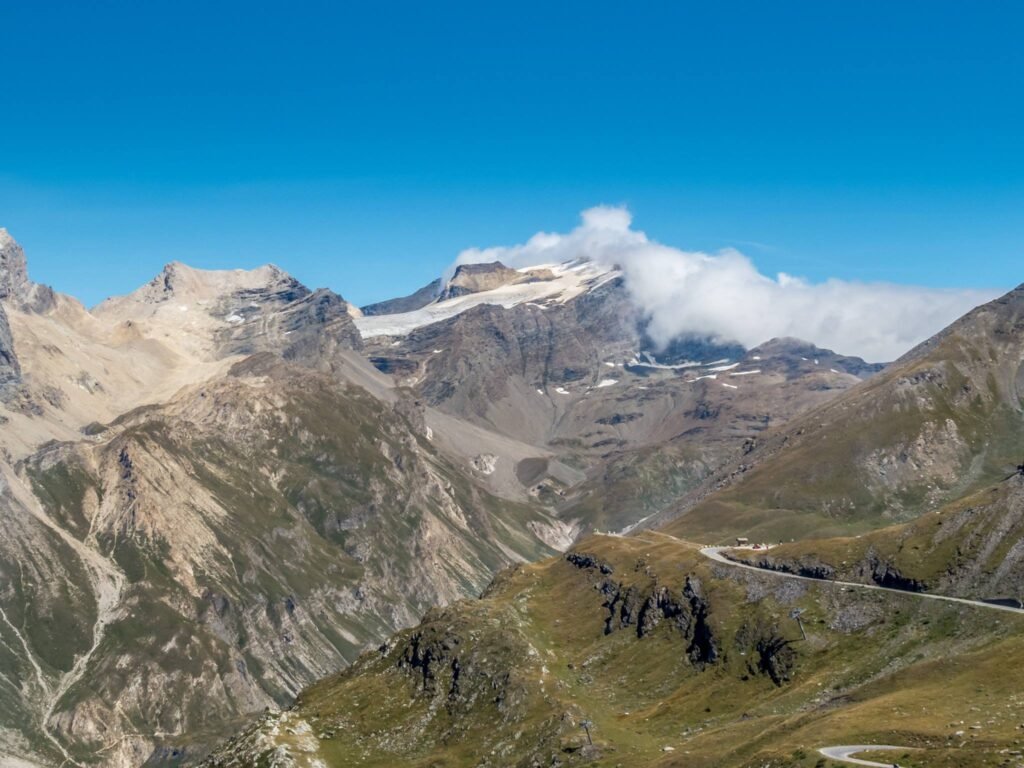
(186, 285)
(474, 278)
(410, 303)
(15, 285)
(14, 282)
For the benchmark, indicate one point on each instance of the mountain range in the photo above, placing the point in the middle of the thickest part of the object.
(448, 528)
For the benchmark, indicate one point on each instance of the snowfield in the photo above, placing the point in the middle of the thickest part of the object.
(571, 279)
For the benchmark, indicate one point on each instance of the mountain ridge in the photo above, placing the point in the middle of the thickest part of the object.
(225, 487)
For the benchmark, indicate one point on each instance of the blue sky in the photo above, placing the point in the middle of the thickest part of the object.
(362, 146)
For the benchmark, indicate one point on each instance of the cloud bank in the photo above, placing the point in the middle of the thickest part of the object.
(723, 295)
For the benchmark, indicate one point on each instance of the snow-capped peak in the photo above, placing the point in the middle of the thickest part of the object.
(542, 285)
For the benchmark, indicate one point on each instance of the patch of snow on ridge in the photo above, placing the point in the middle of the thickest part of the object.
(745, 373)
(571, 279)
(730, 386)
(561, 390)
(607, 383)
(647, 360)
(720, 368)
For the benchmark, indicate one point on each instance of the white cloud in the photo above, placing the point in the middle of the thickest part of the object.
(724, 295)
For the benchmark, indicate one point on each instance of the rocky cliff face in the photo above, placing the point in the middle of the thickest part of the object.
(10, 369)
(15, 287)
(475, 278)
(16, 291)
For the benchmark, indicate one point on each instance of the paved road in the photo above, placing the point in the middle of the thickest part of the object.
(842, 754)
(715, 553)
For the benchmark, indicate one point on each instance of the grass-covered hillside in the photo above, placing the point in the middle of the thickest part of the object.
(941, 423)
(968, 548)
(672, 660)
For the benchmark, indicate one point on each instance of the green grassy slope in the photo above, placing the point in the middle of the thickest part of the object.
(943, 422)
(672, 660)
(969, 548)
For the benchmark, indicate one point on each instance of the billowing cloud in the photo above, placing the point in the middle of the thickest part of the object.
(723, 295)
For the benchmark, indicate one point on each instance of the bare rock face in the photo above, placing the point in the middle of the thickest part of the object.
(474, 278)
(15, 286)
(10, 370)
(222, 313)
(14, 282)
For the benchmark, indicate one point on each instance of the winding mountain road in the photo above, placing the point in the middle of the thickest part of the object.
(715, 553)
(843, 754)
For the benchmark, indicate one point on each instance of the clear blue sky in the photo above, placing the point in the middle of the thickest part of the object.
(362, 145)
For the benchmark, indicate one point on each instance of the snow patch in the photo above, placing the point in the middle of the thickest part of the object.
(571, 279)
(607, 383)
(647, 360)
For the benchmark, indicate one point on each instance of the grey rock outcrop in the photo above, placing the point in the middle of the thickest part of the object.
(474, 278)
(15, 286)
(10, 369)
